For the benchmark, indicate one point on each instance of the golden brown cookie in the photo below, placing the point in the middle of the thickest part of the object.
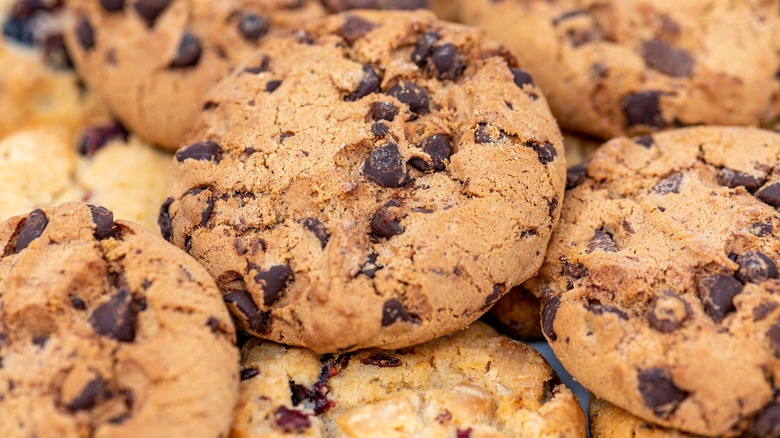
(606, 420)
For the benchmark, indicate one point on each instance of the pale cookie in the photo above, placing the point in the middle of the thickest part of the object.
(108, 331)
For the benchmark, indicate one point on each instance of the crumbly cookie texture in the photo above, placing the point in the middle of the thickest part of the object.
(108, 331)
(660, 284)
(380, 184)
(152, 61)
(473, 383)
(606, 420)
(630, 67)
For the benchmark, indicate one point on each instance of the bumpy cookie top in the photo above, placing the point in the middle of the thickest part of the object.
(108, 331)
(633, 66)
(661, 281)
(381, 183)
(152, 61)
(472, 384)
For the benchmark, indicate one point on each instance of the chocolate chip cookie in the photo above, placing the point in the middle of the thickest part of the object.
(380, 184)
(473, 383)
(106, 330)
(660, 284)
(609, 421)
(613, 68)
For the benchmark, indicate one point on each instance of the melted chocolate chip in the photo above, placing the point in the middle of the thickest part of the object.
(85, 34)
(96, 137)
(32, 229)
(576, 175)
(89, 396)
(253, 27)
(103, 219)
(202, 151)
(667, 59)
(445, 62)
(77, 303)
(369, 84)
(291, 420)
(667, 313)
(385, 167)
(379, 129)
(760, 229)
(546, 152)
(384, 111)
(645, 140)
(521, 77)
(248, 373)
(767, 422)
(387, 220)
(732, 179)
(149, 10)
(316, 227)
(412, 95)
(482, 134)
(164, 220)
(424, 48)
(438, 148)
(601, 241)
(498, 291)
(116, 317)
(271, 86)
(763, 310)
(670, 184)
(242, 306)
(575, 270)
(774, 338)
(112, 5)
(548, 317)
(643, 108)
(717, 293)
(355, 28)
(370, 266)
(273, 281)
(770, 194)
(393, 311)
(659, 391)
(188, 53)
(755, 267)
(382, 360)
(597, 308)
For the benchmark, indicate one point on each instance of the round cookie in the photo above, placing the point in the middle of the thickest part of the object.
(152, 61)
(613, 68)
(381, 185)
(660, 282)
(108, 331)
(473, 383)
(606, 420)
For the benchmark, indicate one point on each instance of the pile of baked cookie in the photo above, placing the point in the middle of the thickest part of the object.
(261, 218)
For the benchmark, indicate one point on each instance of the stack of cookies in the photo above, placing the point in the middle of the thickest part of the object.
(312, 202)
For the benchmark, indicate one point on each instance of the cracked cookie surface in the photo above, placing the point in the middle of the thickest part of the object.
(660, 285)
(380, 184)
(473, 383)
(108, 331)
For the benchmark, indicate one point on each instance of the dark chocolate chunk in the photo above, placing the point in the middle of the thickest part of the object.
(731, 179)
(393, 311)
(384, 167)
(112, 5)
(546, 152)
(548, 317)
(599, 309)
(89, 396)
(645, 140)
(659, 391)
(271, 86)
(316, 227)
(387, 220)
(551, 207)
(384, 111)
(521, 77)
(202, 150)
(667, 59)
(601, 241)
(763, 310)
(445, 62)
(248, 373)
(482, 134)
(370, 266)
(411, 94)
(643, 108)
(774, 338)
(755, 267)
(164, 220)
(205, 215)
(273, 281)
(261, 66)
(32, 229)
(379, 129)
(291, 420)
(767, 423)
(40, 340)
(382, 360)
(19, 29)
(149, 10)
(438, 148)
(355, 28)
(103, 219)
(717, 293)
(77, 303)
(770, 194)
(575, 270)
(253, 27)
(576, 175)
(241, 305)
(85, 34)
(369, 84)
(670, 184)
(116, 317)
(424, 48)
(760, 229)
(189, 51)
(668, 312)
(96, 137)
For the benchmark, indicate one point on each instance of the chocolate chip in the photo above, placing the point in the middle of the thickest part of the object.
(55, 54)
(393, 311)
(273, 281)
(521, 77)
(763, 310)
(116, 317)
(384, 111)
(32, 229)
(567, 15)
(643, 108)
(261, 66)
(355, 28)
(548, 317)
(424, 48)
(253, 27)
(717, 293)
(164, 220)
(498, 291)
(316, 227)
(659, 391)
(387, 220)
(202, 150)
(112, 5)
(411, 94)
(760, 229)
(96, 137)
(601, 241)
(576, 175)
(767, 422)
(103, 219)
(85, 34)
(89, 396)
(482, 134)
(732, 179)
(40, 340)
(369, 84)
(385, 167)
(77, 303)
(774, 338)
(445, 62)
(668, 312)
(271, 86)
(291, 420)
(575, 270)
(379, 130)
(755, 267)
(600, 309)
(248, 373)
(438, 148)
(645, 140)
(382, 360)
(546, 152)
(149, 10)
(189, 51)
(667, 59)
(242, 306)
(370, 266)
(670, 184)
(770, 194)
